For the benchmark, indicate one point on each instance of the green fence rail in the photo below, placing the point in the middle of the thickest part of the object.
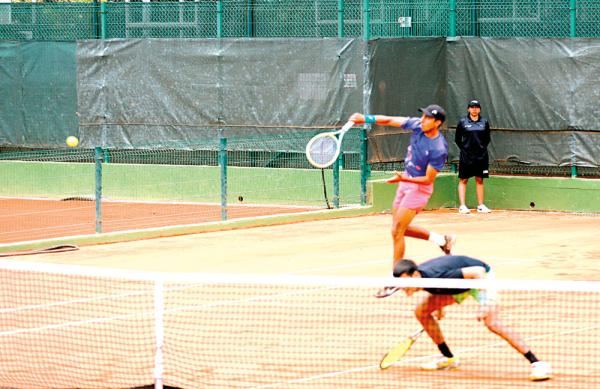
(299, 18)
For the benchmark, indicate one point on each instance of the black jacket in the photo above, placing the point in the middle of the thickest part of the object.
(472, 137)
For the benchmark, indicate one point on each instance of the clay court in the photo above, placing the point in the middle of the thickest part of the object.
(334, 336)
(34, 219)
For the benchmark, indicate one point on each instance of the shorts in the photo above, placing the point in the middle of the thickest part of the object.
(483, 296)
(468, 168)
(412, 196)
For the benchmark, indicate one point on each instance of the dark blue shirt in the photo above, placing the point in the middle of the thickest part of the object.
(423, 150)
(448, 266)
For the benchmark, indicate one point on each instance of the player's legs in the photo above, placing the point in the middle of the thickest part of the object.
(494, 324)
(540, 370)
(410, 199)
(417, 232)
(401, 219)
(428, 312)
(424, 313)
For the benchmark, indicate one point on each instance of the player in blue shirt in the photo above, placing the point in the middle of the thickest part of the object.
(425, 157)
(431, 309)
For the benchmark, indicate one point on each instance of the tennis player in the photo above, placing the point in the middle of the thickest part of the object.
(431, 308)
(425, 157)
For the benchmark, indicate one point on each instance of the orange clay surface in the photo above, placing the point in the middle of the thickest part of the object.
(518, 245)
(24, 220)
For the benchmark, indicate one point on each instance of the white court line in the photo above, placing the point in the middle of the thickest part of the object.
(91, 198)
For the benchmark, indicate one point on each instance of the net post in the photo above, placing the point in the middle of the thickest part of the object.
(336, 183)
(98, 157)
(223, 169)
(159, 333)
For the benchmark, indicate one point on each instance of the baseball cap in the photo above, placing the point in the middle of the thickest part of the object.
(474, 103)
(434, 111)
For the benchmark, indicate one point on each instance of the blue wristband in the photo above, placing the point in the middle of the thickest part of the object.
(370, 119)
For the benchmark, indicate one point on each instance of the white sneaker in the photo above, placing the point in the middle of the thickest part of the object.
(442, 363)
(463, 209)
(540, 371)
(483, 209)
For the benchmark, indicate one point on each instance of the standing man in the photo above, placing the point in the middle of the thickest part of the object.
(472, 138)
(431, 308)
(425, 157)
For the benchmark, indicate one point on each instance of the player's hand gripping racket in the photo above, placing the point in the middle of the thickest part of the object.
(323, 149)
(398, 352)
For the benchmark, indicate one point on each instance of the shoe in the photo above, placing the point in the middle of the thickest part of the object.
(450, 242)
(442, 363)
(483, 209)
(464, 209)
(540, 371)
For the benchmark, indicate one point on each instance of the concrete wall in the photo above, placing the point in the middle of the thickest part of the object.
(507, 192)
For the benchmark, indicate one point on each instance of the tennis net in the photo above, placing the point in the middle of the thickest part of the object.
(65, 326)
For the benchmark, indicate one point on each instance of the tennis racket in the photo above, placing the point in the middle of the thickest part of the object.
(324, 149)
(387, 291)
(398, 352)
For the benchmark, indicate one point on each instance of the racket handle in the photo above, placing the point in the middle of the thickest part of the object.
(349, 124)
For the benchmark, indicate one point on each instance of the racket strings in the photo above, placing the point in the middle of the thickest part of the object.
(323, 150)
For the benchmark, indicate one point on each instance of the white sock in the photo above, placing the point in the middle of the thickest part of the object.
(436, 238)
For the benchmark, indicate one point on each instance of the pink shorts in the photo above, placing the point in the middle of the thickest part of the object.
(412, 196)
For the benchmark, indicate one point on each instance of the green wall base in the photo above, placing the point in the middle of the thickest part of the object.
(506, 192)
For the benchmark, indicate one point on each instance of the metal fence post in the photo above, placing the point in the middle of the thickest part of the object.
(572, 149)
(364, 167)
(340, 20)
(573, 19)
(366, 20)
(219, 19)
(98, 157)
(452, 25)
(336, 183)
(103, 19)
(223, 166)
(250, 25)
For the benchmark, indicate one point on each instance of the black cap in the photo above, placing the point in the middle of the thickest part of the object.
(474, 103)
(434, 111)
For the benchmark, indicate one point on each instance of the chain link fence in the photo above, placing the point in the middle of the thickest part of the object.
(69, 21)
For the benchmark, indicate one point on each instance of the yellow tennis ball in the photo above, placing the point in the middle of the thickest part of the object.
(72, 141)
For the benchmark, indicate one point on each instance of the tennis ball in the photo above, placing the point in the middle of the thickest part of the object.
(72, 141)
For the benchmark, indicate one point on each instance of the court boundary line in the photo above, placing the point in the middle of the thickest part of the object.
(157, 202)
(189, 229)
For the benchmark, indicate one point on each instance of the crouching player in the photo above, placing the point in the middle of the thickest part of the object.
(431, 308)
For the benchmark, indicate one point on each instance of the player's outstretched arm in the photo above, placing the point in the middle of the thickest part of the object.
(393, 121)
(473, 272)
